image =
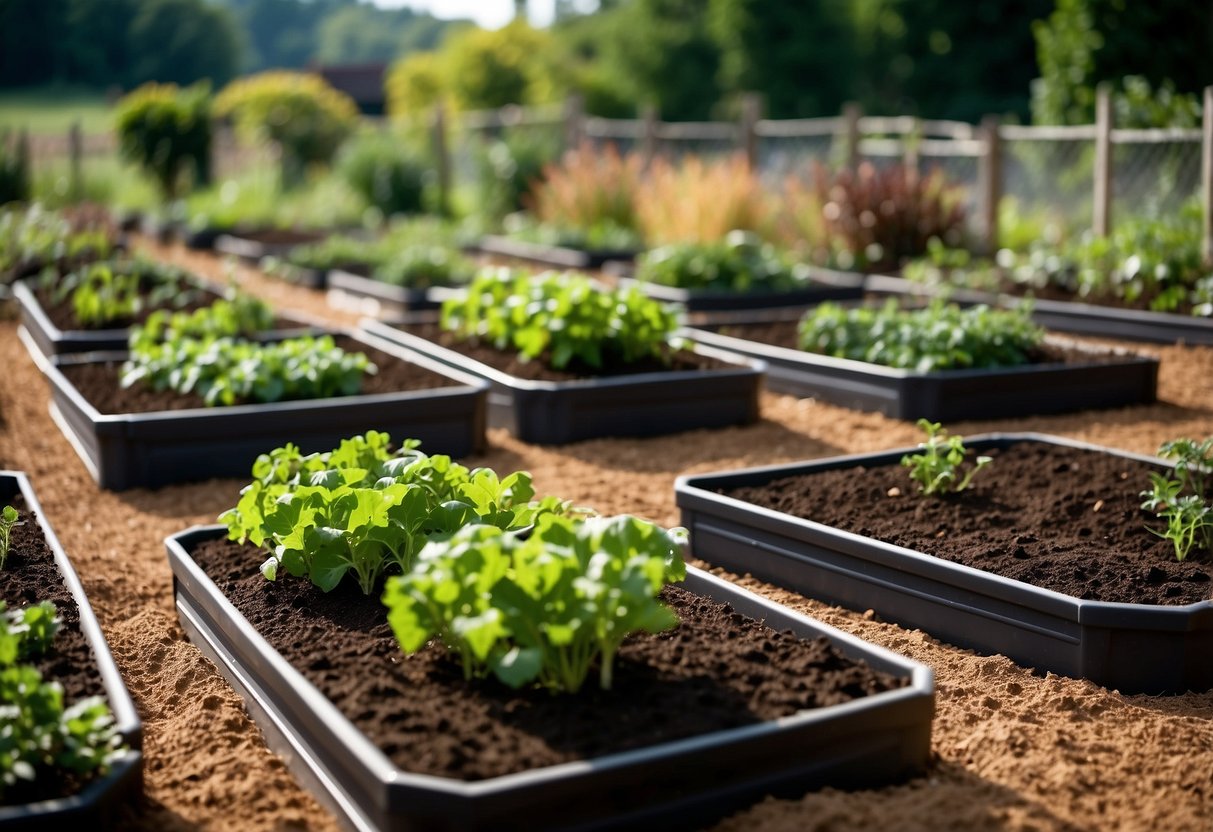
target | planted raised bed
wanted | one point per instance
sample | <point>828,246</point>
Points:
<point>1066,376</point>
<point>349,290</point>
<point>1073,316</point>
<point>617,777</point>
<point>136,438</point>
<point>37,569</point>
<point>253,245</point>
<point>49,328</point>
<point>560,257</point>
<point>1032,551</point>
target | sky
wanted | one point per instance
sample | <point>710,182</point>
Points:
<point>490,14</point>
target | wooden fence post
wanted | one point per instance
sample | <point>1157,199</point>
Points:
<point>75,151</point>
<point>574,121</point>
<point>1206,176</point>
<point>751,113</point>
<point>442,159</point>
<point>910,148</point>
<point>648,132</point>
<point>851,113</point>
<point>989,178</point>
<point>1101,219</point>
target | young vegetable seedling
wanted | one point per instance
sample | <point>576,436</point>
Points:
<point>1182,500</point>
<point>938,469</point>
<point>8,519</point>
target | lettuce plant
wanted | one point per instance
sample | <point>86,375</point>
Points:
<point>740,262</point>
<point>542,609</point>
<point>39,733</point>
<point>563,318</point>
<point>241,315</point>
<point>115,290</point>
<point>363,509</point>
<point>938,337</point>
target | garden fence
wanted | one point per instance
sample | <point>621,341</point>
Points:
<point>1076,176</point>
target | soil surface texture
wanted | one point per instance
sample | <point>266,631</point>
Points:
<point>1012,750</point>
<point>31,576</point>
<point>99,382</point>
<point>1064,519</point>
<point>428,720</point>
<point>508,361</point>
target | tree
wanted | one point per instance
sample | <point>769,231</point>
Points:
<point>800,55</point>
<point>484,69</point>
<point>182,41</point>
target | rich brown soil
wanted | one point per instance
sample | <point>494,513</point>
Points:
<point>30,576</point>
<point>1064,519</point>
<point>537,370</point>
<point>1013,751</point>
<point>99,383</point>
<point>717,670</point>
<point>63,315</point>
<point>783,334</point>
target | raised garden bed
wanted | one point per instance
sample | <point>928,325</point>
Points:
<point>1072,316</point>
<point>347,289</point>
<point>140,438</point>
<point>560,257</point>
<point>633,768</point>
<point>37,569</point>
<point>1070,377</point>
<point>705,388</point>
<point>252,245</point>
<point>1048,559</point>
<point>50,328</point>
<point>826,286</point>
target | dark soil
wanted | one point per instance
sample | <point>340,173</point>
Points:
<point>1063,519</point>
<point>717,670</point>
<point>279,236</point>
<point>507,361</point>
<point>30,576</point>
<point>783,334</point>
<point>99,383</point>
<point>63,314</point>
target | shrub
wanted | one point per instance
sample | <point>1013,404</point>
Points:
<point>507,166</point>
<point>414,84</point>
<point>587,189</point>
<point>873,218</point>
<point>565,318</point>
<point>387,173</point>
<point>701,201</point>
<point>14,167</point>
<point>306,117</point>
<point>166,130</point>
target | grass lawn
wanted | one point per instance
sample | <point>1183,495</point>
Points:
<point>52,109</point>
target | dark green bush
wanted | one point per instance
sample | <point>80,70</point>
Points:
<point>166,130</point>
<point>386,172</point>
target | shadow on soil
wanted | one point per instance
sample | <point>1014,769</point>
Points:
<point>969,801</point>
<point>1194,705</point>
<point>150,815</point>
<point>699,450</point>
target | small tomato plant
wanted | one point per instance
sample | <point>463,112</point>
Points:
<point>1182,499</point>
<point>939,468</point>
<point>541,609</point>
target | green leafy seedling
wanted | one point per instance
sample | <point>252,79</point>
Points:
<point>1181,501</point>
<point>8,519</point>
<point>938,469</point>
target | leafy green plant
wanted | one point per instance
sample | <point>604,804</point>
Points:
<point>226,371</point>
<point>32,238</point>
<point>116,290</point>
<point>40,734</point>
<point>941,336</point>
<point>740,262</point>
<point>507,166</point>
<point>565,318</point>
<point>419,267</point>
<point>364,509</point>
<point>544,609</point>
<point>8,518</point>
<point>166,130</point>
<point>1183,499</point>
<point>939,468</point>
<point>604,235</point>
<point>241,315</point>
